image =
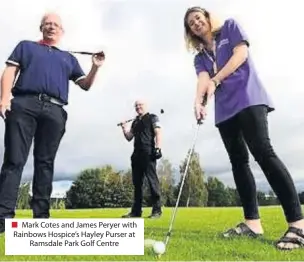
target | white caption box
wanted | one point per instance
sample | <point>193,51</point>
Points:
<point>74,236</point>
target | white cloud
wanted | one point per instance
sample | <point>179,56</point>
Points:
<point>143,41</point>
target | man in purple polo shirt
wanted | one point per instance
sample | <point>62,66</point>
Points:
<point>36,113</point>
<point>225,70</point>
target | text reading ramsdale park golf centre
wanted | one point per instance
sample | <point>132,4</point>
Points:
<point>74,236</point>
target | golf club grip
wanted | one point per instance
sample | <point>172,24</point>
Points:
<point>120,124</point>
<point>200,121</point>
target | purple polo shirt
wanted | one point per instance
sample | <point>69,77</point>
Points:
<point>242,88</point>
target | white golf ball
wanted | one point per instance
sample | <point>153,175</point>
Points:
<point>159,248</point>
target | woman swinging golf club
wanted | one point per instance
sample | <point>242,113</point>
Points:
<point>225,70</point>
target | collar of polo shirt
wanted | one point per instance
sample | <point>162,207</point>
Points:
<point>42,42</point>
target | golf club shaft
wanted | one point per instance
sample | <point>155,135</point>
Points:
<point>199,122</point>
<point>120,124</point>
<point>182,184</point>
<point>87,53</point>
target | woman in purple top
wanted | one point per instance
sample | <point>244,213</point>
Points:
<point>225,70</point>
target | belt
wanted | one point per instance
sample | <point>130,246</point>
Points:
<point>47,98</point>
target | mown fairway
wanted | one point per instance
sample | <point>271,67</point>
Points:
<point>195,236</point>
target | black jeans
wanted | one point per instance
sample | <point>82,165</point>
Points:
<point>251,127</point>
<point>30,119</point>
<point>143,165</point>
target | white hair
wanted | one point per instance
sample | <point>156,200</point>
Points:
<point>142,101</point>
<point>47,14</point>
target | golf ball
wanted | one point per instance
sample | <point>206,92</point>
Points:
<point>159,248</point>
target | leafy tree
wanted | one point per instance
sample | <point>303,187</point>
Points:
<point>88,189</point>
<point>114,192</point>
<point>61,204</point>
<point>127,189</point>
<point>54,203</point>
<point>194,191</point>
<point>99,188</point>
<point>24,198</point>
<point>166,180</point>
<point>57,203</point>
<point>218,195</point>
<point>233,197</point>
<point>262,199</point>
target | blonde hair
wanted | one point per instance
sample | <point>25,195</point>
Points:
<point>193,42</point>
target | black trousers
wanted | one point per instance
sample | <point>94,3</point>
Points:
<point>250,127</point>
<point>143,165</point>
<point>30,119</point>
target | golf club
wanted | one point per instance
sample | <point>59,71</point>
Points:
<point>199,122</point>
<point>88,53</point>
<point>120,124</point>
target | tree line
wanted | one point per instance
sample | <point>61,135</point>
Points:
<point>107,188</point>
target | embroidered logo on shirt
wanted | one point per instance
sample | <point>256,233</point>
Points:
<point>223,42</point>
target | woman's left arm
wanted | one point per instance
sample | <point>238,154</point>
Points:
<point>240,55</point>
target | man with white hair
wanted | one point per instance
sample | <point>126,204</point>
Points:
<point>146,131</point>
<point>36,113</point>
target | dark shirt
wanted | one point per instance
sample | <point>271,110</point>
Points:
<point>143,130</point>
<point>44,70</point>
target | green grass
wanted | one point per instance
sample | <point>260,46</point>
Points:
<point>194,236</point>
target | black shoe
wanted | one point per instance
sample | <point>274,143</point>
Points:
<point>155,214</point>
<point>2,226</point>
<point>129,215</point>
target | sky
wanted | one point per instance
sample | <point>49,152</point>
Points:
<point>146,58</point>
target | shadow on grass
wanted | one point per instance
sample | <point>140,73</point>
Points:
<point>260,239</point>
<point>267,241</point>
<point>158,232</point>
<point>164,231</point>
